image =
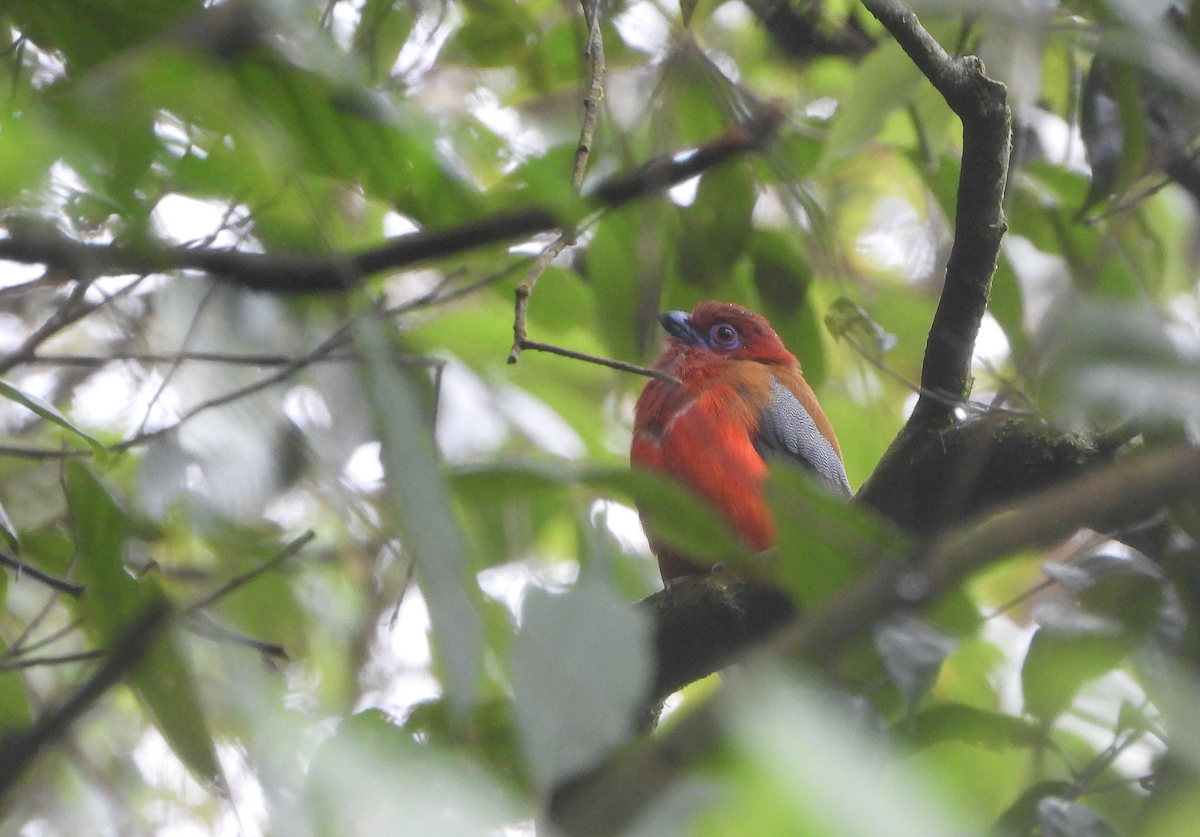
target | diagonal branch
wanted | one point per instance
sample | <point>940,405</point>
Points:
<point>19,749</point>
<point>612,797</point>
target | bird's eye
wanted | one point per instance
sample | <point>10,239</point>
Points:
<point>724,336</point>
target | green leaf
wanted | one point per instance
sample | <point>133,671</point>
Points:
<point>162,680</point>
<point>716,226</point>
<point>49,413</point>
<point>809,762</point>
<point>674,514</point>
<point>383,27</point>
<point>26,152</point>
<point>913,652</point>
<point>883,82</point>
<point>1059,662</point>
<point>427,524</point>
<point>822,542</point>
<point>1115,128</point>
<point>968,724</point>
<point>782,278</point>
<point>624,263</point>
<point>1109,363</point>
<point>15,713</point>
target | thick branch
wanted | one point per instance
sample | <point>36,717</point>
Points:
<point>982,105</point>
<point>317,273</point>
<point>943,478</point>
<point>1107,498</point>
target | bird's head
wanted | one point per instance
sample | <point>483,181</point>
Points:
<point>726,330</point>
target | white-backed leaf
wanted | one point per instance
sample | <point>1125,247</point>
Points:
<point>912,652</point>
<point>581,673</point>
<point>427,523</point>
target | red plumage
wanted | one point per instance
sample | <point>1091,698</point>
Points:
<point>741,396</point>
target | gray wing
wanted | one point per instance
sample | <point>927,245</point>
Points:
<point>786,430</point>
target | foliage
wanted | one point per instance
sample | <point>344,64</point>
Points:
<point>428,662</point>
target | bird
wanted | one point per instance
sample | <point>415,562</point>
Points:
<point>740,402</point>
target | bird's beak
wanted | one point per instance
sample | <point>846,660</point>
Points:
<point>678,324</point>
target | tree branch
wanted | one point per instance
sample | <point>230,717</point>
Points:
<point>318,273</point>
<point>19,749</point>
<point>703,623</point>
<point>1111,497</point>
<point>53,582</point>
<point>982,105</point>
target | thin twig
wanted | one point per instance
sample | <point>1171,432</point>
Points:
<point>19,648</point>
<point>591,102</point>
<point>170,373</point>
<point>245,578</point>
<point>591,111</point>
<point>965,403</point>
<point>22,662</point>
<point>202,624</point>
<point>59,584</point>
<point>525,289</point>
<point>72,309</point>
<point>20,452</point>
<point>649,372</point>
<point>206,357</point>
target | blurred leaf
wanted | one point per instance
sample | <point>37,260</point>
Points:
<point>90,31</point>
<point>493,735</point>
<point>545,181</point>
<point>372,776</point>
<point>508,507</point>
<point>1110,363</point>
<point>969,724</point>
<point>494,34</point>
<point>352,133</point>
<point>1059,661</point>
<point>1059,817</point>
<point>806,765</point>
<point>822,542</point>
<point>913,652</point>
<point>49,413</point>
<point>716,226</point>
<point>1022,816</point>
<point>162,681</point>
<point>674,514</point>
<point>383,27</point>
<point>624,269</point>
<point>883,82</point>
<point>582,667</point>
<point>782,278</point>
<point>426,521</point>
<point>1114,127</point>
<point>26,151</point>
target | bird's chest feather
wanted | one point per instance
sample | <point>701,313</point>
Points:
<point>704,438</point>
